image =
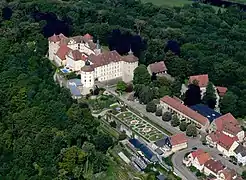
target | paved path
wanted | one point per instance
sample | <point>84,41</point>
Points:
<point>192,142</point>
<point>177,159</point>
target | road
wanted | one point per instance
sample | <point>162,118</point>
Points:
<point>192,142</point>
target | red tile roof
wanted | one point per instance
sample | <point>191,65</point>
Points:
<point>158,67</point>
<point>185,110</point>
<point>130,58</point>
<point>197,152</point>
<point>226,141</point>
<point>215,136</point>
<point>87,68</point>
<point>221,90</point>
<point>77,55</point>
<point>203,158</point>
<point>229,174</point>
<point>56,38</point>
<point>202,80</point>
<point>62,52</point>
<point>88,36</point>
<point>228,124</point>
<point>214,166</point>
<point>178,139</point>
<point>105,58</point>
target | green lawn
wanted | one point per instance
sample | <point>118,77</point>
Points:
<point>169,2</point>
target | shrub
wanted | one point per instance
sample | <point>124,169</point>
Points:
<point>151,107</point>
<point>167,116</point>
<point>158,112</point>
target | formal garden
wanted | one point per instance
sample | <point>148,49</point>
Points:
<point>140,126</point>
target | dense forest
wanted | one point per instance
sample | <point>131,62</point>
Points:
<point>44,134</point>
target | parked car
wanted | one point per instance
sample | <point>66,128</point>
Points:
<point>220,154</point>
<point>194,148</point>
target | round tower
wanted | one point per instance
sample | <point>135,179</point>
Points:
<point>87,77</point>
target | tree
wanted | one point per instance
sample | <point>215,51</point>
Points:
<point>122,136</point>
<point>113,124</point>
<point>103,142</point>
<point>229,103</point>
<point>191,130</point>
<point>151,107</point>
<point>141,75</point>
<point>192,95</point>
<point>158,112</point>
<point>175,121</point>
<point>121,86</point>
<point>244,174</point>
<point>176,87</point>
<point>183,126</point>
<point>209,97</point>
<point>129,88</point>
<point>146,95</point>
<point>167,116</point>
<point>164,90</point>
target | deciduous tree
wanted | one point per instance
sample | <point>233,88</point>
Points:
<point>151,107</point>
<point>175,121</point>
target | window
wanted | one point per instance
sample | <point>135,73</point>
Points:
<point>90,80</point>
<point>85,80</point>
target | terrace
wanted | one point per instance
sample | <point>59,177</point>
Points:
<point>140,126</point>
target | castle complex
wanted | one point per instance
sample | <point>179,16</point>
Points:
<point>81,55</point>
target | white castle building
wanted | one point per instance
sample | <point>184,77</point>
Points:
<point>81,55</point>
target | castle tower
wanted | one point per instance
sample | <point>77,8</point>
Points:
<point>53,46</point>
<point>98,49</point>
<point>87,77</point>
<point>130,52</point>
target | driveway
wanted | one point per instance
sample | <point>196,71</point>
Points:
<point>192,142</point>
<point>177,159</point>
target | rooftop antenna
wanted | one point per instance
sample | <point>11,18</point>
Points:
<point>130,52</point>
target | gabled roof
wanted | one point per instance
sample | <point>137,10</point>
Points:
<point>63,51</point>
<point>105,58</point>
<point>221,90</point>
<point>56,38</point>
<point>214,166</point>
<point>88,36</point>
<point>226,141</point>
<point>228,124</point>
<point>185,110</point>
<point>203,157</point>
<point>158,67</point>
<point>202,80</point>
<point>240,149</point>
<point>197,152</point>
<point>178,139</point>
<point>229,174</point>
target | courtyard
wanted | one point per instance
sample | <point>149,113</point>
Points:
<point>140,126</point>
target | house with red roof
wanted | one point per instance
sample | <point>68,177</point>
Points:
<point>228,174</point>
<point>226,144</point>
<point>183,112</point>
<point>213,167</point>
<point>200,160</point>
<point>228,125</point>
<point>158,68</point>
<point>221,90</point>
<point>178,142</point>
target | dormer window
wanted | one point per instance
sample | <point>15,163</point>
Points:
<point>78,46</point>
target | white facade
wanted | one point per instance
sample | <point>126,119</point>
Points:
<point>179,147</point>
<point>207,172</point>
<point>240,135</point>
<point>229,152</point>
<point>241,159</point>
<point>105,68</point>
<point>197,165</point>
